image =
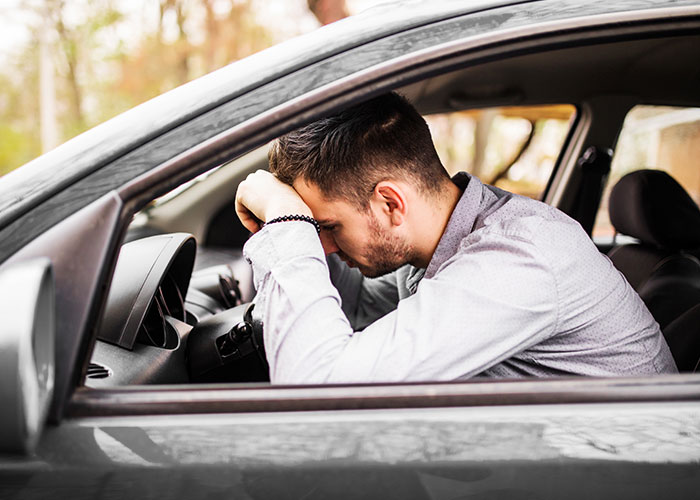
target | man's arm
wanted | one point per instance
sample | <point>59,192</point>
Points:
<point>364,300</point>
<point>467,318</point>
<point>261,197</point>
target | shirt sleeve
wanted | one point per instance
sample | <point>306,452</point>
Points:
<point>491,300</point>
<point>364,300</point>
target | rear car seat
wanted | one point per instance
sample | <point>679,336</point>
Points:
<point>683,337</point>
<point>652,207</point>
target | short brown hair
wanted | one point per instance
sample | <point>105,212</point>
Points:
<point>345,155</point>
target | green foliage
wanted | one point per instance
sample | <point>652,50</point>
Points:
<point>19,110</point>
<point>16,148</point>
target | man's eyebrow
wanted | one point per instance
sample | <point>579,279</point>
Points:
<point>326,222</point>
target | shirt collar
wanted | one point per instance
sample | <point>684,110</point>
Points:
<point>461,221</point>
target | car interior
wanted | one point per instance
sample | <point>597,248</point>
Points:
<point>180,307</point>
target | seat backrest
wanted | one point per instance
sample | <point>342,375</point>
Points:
<point>652,207</point>
<point>683,337</point>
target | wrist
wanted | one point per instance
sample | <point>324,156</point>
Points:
<point>297,209</point>
<point>296,217</point>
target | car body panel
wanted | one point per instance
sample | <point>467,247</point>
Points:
<point>26,352</point>
<point>578,451</point>
<point>88,234</point>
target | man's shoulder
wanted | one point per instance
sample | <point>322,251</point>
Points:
<point>515,216</point>
<point>488,219</point>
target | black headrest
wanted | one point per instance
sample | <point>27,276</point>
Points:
<point>651,206</point>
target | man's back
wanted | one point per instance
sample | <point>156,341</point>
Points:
<point>602,326</point>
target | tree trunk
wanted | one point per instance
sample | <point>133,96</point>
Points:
<point>70,50</point>
<point>181,47</point>
<point>47,93</point>
<point>183,67</point>
<point>211,43</point>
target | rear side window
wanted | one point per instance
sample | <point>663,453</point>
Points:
<point>654,137</point>
<point>514,148</point>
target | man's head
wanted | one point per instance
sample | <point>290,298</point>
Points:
<point>359,171</point>
<point>345,155</point>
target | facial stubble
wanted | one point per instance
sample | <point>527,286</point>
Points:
<point>385,252</point>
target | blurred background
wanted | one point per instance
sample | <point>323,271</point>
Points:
<point>68,65</point>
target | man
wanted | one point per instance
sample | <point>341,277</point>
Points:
<point>471,280</point>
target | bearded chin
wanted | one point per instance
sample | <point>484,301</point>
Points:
<point>386,253</point>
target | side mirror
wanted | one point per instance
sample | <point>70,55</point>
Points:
<point>26,352</point>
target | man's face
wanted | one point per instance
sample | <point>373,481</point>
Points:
<point>360,238</point>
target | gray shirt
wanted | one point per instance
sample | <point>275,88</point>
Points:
<point>515,288</point>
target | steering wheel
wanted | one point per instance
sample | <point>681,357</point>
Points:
<point>217,352</point>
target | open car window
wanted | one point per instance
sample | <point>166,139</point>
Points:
<point>653,137</point>
<point>514,148</point>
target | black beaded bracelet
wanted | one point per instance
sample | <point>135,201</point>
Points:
<point>299,217</point>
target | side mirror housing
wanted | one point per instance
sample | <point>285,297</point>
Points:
<point>26,352</point>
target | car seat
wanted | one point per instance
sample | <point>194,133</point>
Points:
<point>683,337</point>
<point>652,207</point>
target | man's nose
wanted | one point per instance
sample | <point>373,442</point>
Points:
<point>328,243</point>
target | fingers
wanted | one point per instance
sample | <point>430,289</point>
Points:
<point>262,197</point>
<point>247,218</point>
<point>243,194</point>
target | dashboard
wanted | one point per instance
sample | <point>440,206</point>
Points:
<point>165,323</point>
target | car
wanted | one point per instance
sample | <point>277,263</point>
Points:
<point>132,361</point>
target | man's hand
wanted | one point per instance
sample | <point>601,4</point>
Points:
<point>262,197</point>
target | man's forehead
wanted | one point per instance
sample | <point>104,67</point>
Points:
<point>326,210</point>
<point>301,184</point>
<point>311,193</point>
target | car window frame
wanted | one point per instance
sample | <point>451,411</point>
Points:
<point>259,398</point>
<point>277,120</point>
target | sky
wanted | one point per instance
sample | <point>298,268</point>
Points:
<point>13,29</point>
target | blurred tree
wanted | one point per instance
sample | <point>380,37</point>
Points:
<point>105,64</point>
<point>75,32</point>
<point>328,11</point>
<point>70,47</point>
<point>179,10</point>
<point>16,145</point>
<point>192,37</point>
<point>19,108</point>
<point>81,31</point>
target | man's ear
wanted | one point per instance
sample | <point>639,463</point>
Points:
<point>390,199</point>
